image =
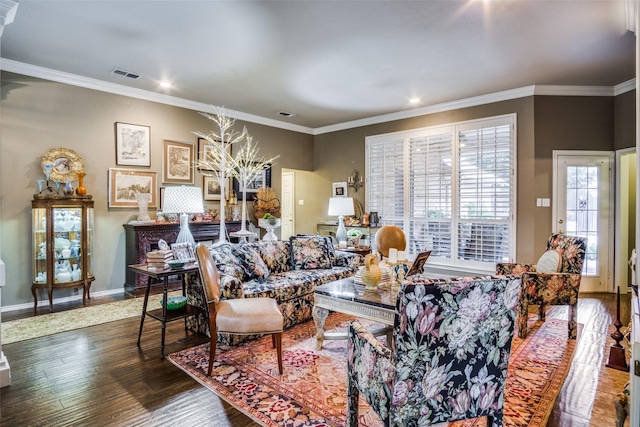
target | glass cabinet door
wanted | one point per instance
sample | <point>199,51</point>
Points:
<point>89,254</point>
<point>67,246</point>
<point>39,218</point>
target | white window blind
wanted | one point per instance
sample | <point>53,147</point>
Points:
<point>451,189</point>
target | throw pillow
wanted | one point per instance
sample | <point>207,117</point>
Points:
<point>275,254</point>
<point>251,261</point>
<point>309,252</point>
<point>549,262</point>
<point>227,262</point>
<point>330,246</point>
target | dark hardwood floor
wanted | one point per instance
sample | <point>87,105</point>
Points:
<point>97,376</point>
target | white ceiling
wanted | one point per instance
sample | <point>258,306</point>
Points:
<point>329,62</point>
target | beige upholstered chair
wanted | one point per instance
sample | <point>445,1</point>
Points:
<point>244,316</point>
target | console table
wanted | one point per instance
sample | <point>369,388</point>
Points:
<point>368,232</point>
<point>141,239</point>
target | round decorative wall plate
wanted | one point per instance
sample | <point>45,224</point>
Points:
<point>65,164</point>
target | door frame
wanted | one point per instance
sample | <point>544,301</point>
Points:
<point>609,282</point>
<point>621,261</point>
<point>291,173</point>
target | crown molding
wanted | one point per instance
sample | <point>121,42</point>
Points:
<point>542,90</point>
<point>88,83</point>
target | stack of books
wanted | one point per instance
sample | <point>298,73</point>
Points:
<point>157,260</point>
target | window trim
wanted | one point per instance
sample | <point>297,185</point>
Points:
<point>454,129</point>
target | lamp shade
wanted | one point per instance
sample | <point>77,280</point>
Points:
<point>341,206</point>
<point>182,199</point>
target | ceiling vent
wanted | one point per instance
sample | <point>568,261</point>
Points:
<point>125,74</point>
<point>286,114</point>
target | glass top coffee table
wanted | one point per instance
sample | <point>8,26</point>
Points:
<point>344,296</point>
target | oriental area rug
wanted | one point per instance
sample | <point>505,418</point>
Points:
<point>312,389</point>
<point>53,323</point>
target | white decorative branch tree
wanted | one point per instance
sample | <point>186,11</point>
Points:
<point>218,162</point>
<point>247,167</point>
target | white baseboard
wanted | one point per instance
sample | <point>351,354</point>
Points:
<point>5,371</point>
<point>45,301</point>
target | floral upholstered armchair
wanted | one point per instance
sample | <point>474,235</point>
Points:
<point>452,348</point>
<point>557,284</point>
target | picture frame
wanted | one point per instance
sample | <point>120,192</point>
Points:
<point>211,188</point>
<point>418,264</point>
<point>263,180</point>
<point>339,189</point>
<point>125,183</point>
<point>183,251</point>
<point>178,159</point>
<point>203,149</point>
<point>133,145</point>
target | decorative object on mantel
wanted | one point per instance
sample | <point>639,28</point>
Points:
<point>355,180</point>
<point>218,161</point>
<point>143,206</point>
<point>266,203</point>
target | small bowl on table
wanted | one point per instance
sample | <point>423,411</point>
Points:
<point>176,264</point>
<point>175,303</point>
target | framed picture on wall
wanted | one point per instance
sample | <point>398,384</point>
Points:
<point>133,145</point>
<point>263,180</point>
<point>339,189</point>
<point>211,188</point>
<point>177,162</point>
<point>125,183</point>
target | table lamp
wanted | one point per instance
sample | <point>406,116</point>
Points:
<point>341,206</point>
<point>183,200</point>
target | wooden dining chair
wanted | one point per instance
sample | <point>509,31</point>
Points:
<point>243,316</point>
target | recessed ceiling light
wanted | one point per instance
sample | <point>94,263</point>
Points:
<point>414,100</point>
<point>165,83</point>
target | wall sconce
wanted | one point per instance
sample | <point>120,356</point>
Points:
<point>355,180</point>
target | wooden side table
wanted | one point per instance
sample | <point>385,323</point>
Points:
<point>162,314</point>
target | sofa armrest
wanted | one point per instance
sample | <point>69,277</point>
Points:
<point>513,268</point>
<point>348,259</point>
<point>370,371</point>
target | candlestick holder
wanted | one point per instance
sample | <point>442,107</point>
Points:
<point>617,359</point>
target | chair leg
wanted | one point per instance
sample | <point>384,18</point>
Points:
<point>573,321</point>
<point>277,340</point>
<point>213,331</point>
<point>522,317</point>
<point>353,395</point>
<point>542,312</point>
<point>495,420</point>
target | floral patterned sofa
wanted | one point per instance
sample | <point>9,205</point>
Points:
<point>287,271</point>
<point>452,347</point>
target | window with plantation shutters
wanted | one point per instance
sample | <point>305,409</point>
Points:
<point>451,188</point>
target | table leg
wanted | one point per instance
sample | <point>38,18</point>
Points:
<point>144,308</point>
<point>164,313</point>
<point>319,316</point>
